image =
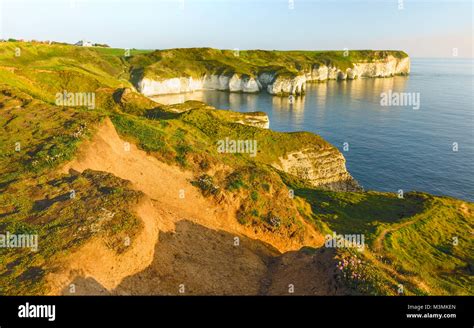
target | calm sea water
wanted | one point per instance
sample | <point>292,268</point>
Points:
<point>390,148</point>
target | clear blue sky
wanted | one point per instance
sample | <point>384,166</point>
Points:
<point>423,28</point>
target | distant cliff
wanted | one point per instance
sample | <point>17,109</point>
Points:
<point>277,72</point>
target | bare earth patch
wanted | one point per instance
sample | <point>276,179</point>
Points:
<point>186,243</point>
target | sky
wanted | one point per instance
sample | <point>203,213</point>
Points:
<point>422,28</point>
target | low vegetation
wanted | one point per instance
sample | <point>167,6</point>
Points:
<point>417,245</point>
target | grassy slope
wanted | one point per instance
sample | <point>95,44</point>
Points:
<point>409,240</point>
<point>44,70</point>
<point>36,200</point>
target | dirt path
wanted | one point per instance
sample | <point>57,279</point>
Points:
<point>378,242</point>
<point>379,250</point>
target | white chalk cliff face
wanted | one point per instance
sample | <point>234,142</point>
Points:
<point>391,66</point>
<point>234,83</point>
<point>272,82</point>
<point>322,167</point>
<point>150,87</point>
<point>287,85</point>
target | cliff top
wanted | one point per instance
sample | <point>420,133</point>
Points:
<point>197,61</point>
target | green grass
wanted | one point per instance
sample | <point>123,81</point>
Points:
<point>270,144</point>
<point>437,247</point>
<point>360,213</point>
<point>45,135</point>
<point>416,236</point>
<point>44,70</point>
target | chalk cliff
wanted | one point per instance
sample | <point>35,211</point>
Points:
<point>274,81</point>
<point>234,83</point>
<point>323,167</point>
<point>387,67</point>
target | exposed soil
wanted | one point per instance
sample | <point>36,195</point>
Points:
<point>189,245</point>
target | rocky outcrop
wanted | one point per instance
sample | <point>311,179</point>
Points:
<point>272,82</point>
<point>287,85</point>
<point>255,119</point>
<point>324,168</point>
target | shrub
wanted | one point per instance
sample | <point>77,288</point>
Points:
<point>235,182</point>
<point>206,184</point>
<point>254,195</point>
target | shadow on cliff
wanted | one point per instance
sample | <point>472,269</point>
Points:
<point>195,260</point>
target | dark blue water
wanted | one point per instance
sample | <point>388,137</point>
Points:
<point>390,148</point>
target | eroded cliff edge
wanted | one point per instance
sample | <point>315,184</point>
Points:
<point>303,155</point>
<point>276,72</point>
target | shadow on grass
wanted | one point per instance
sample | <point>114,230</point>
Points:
<point>360,213</point>
<point>43,204</point>
<point>160,114</point>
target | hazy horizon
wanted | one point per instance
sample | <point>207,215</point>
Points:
<point>423,29</point>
